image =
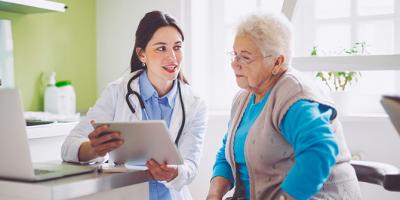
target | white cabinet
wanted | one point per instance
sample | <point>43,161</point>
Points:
<point>45,141</point>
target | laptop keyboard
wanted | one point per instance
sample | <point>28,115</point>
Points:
<point>42,171</point>
<point>37,122</point>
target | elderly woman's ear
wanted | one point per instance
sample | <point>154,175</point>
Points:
<point>279,66</point>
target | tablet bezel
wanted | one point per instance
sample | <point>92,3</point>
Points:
<point>143,140</point>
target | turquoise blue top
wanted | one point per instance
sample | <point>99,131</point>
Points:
<point>306,126</point>
<point>157,108</point>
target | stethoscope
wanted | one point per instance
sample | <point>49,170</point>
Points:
<point>130,91</point>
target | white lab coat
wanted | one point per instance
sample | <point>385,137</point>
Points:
<point>111,106</point>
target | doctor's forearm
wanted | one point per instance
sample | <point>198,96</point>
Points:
<point>86,152</point>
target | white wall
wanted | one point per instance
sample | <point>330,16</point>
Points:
<point>217,126</point>
<point>116,22</point>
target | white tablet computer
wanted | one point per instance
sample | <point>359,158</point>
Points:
<point>144,140</point>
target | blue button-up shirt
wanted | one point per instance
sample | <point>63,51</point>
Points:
<point>157,108</point>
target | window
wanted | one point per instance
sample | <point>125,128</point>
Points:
<point>335,25</point>
<point>212,32</point>
<point>331,25</point>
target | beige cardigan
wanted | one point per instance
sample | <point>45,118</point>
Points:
<point>268,155</point>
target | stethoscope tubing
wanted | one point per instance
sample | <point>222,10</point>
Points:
<point>130,91</point>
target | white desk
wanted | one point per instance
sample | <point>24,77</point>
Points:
<point>45,145</point>
<point>130,185</point>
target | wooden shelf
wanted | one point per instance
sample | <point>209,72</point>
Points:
<point>31,6</point>
<point>347,63</point>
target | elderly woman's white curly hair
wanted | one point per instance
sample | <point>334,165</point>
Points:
<point>272,33</point>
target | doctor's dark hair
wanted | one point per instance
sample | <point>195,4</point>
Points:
<point>148,25</point>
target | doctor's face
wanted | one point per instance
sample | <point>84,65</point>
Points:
<point>252,69</point>
<point>163,54</point>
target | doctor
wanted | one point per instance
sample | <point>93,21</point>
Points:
<point>157,90</point>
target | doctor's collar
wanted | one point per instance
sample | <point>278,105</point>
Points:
<point>147,90</point>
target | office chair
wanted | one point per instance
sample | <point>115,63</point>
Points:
<point>388,176</point>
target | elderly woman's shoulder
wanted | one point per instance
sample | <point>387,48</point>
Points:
<point>295,80</point>
<point>242,93</point>
<point>294,84</point>
<point>239,97</point>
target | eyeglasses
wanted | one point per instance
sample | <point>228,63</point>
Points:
<point>242,60</point>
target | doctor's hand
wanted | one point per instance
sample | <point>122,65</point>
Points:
<point>102,141</point>
<point>162,172</point>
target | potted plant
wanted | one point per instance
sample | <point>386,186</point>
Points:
<point>338,82</point>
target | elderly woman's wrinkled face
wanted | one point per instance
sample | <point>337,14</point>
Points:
<point>252,69</point>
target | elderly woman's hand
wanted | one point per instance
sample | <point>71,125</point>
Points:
<point>213,198</point>
<point>219,186</point>
<point>162,172</point>
<point>285,196</point>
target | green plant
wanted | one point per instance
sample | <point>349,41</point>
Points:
<point>339,80</point>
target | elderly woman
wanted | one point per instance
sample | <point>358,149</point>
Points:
<point>284,140</point>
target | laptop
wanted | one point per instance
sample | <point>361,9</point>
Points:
<point>14,147</point>
<point>391,104</point>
